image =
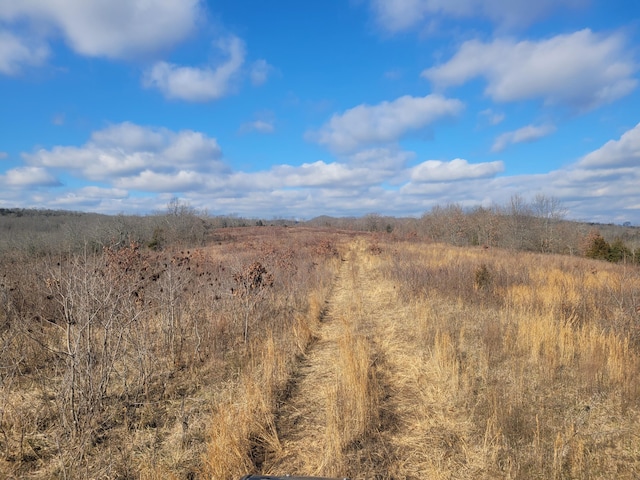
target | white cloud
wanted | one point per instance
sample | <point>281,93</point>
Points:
<point>16,53</point>
<point>109,28</point>
<point>356,187</point>
<point>386,122</point>
<point>321,174</point>
<point>28,177</point>
<point>129,137</point>
<point>398,15</point>
<point>126,150</point>
<point>96,199</point>
<point>530,133</point>
<point>362,170</point>
<point>194,149</point>
<point>389,159</point>
<point>128,158</point>
<point>332,177</point>
<point>621,153</point>
<point>99,192</point>
<point>202,84</point>
<point>435,171</point>
<point>601,195</point>
<point>583,69</point>
<point>150,181</point>
<point>602,186</point>
<point>92,198</point>
<point>260,71</point>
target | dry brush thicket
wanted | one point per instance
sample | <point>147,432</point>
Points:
<point>317,352</point>
<point>114,362</point>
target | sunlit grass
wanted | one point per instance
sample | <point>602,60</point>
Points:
<point>403,360</point>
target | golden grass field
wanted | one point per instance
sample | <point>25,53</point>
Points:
<point>349,356</point>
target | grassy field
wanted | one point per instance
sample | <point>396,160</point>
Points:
<point>318,352</point>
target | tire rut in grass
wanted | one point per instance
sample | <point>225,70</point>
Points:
<point>300,419</point>
<point>338,411</point>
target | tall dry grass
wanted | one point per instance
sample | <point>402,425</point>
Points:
<point>537,364</point>
<point>459,363</point>
<point>351,400</point>
<point>440,362</point>
<point>243,434</point>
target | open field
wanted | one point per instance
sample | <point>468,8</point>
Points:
<point>318,352</point>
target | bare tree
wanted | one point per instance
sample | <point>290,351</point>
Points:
<point>548,212</point>
<point>518,216</point>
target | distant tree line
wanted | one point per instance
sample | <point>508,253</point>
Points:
<point>42,232</point>
<point>538,225</point>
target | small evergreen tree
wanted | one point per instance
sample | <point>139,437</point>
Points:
<point>597,247</point>
<point>619,252</point>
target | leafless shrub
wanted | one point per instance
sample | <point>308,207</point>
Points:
<point>326,248</point>
<point>375,249</point>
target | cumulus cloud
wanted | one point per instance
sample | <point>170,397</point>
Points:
<point>601,195</point>
<point>127,150</point>
<point>389,159</point>
<point>398,15</point>
<point>129,137</point>
<point>151,181</point>
<point>114,28</point>
<point>435,171</point>
<point>601,186</point>
<point>321,174</point>
<point>28,177</point>
<point>582,70</point>
<point>386,122</point>
<point>199,84</point>
<point>530,133</point>
<point>364,169</point>
<point>328,176</point>
<point>95,198</point>
<point>129,158</point>
<point>16,53</point>
<point>99,192</point>
<point>621,153</point>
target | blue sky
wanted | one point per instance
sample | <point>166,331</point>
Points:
<point>302,108</point>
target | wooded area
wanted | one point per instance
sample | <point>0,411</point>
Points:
<point>537,226</point>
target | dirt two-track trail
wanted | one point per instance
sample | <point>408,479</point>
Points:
<point>356,398</point>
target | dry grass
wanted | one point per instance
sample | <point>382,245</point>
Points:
<point>115,363</point>
<point>243,435</point>
<point>537,371</point>
<point>529,372</point>
<point>398,360</point>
